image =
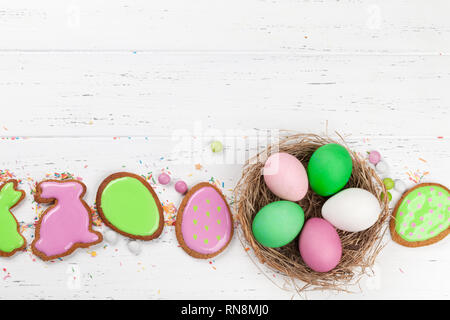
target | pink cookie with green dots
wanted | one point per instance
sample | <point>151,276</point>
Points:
<point>422,216</point>
<point>204,225</point>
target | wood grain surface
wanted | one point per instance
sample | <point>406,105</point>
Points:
<point>95,87</point>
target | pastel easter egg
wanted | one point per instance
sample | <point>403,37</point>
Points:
<point>352,210</point>
<point>329,169</point>
<point>320,245</point>
<point>422,216</point>
<point>128,204</point>
<point>204,225</point>
<point>286,177</point>
<point>278,223</point>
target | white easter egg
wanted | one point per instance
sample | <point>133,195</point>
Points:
<point>352,209</point>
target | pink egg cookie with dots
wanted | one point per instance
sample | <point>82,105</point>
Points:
<point>204,225</point>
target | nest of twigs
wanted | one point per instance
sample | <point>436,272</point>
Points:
<point>359,249</point>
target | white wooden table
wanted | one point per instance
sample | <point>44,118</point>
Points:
<point>94,87</point>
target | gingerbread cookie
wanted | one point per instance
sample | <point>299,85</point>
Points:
<point>204,225</point>
<point>67,224</point>
<point>11,240</point>
<point>422,216</point>
<point>128,204</point>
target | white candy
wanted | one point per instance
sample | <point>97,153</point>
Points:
<point>382,167</point>
<point>111,237</point>
<point>135,247</point>
<point>400,186</point>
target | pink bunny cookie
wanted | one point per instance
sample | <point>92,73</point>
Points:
<point>67,224</point>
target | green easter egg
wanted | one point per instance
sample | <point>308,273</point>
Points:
<point>278,223</point>
<point>329,169</point>
<point>128,204</point>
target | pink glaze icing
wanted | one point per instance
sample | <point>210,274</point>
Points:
<point>206,224</point>
<point>65,224</point>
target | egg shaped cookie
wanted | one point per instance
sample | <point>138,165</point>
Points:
<point>128,204</point>
<point>204,225</point>
<point>422,216</point>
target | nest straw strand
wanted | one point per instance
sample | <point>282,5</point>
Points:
<point>359,249</point>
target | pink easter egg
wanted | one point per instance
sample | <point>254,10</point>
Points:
<point>286,177</point>
<point>320,245</point>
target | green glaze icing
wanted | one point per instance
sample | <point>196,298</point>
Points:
<point>423,213</point>
<point>130,207</point>
<point>10,238</point>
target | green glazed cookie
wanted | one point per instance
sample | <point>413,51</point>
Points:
<point>129,205</point>
<point>422,216</point>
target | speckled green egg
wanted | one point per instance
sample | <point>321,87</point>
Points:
<point>329,169</point>
<point>278,223</point>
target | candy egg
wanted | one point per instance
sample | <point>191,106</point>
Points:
<point>181,187</point>
<point>352,210</point>
<point>204,225</point>
<point>111,237</point>
<point>382,167</point>
<point>389,196</point>
<point>400,186</point>
<point>329,169</point>
<point>278,223</point>
<point>134,247</point>
<point>320,245</point>
<point>216,146</point>
<point>164,178</point>
<point>374,157</point>
<point>388,183</point>
<point>285,176</point>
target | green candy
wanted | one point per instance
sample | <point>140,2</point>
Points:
<point>389,196</point>
<point>278,223</point>
<point>329,169</point>
<point>389,183</point>
<point>216,146</point>
<point>129,206</point>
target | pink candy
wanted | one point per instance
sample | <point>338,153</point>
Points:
<point>374,157</point>
<point>181,187</point>
<point>164,178</point>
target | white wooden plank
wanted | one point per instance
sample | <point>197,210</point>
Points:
<point>108,94</point>
<point>358,26</point>
<point>164,271</point>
